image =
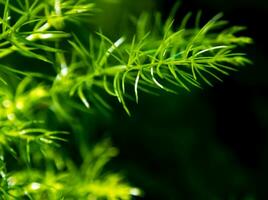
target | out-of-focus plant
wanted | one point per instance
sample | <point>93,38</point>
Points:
<point>62,179</point>
<point>157,56</point>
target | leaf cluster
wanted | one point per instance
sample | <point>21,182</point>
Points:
<point>35,30</point>
<point>62,179</point>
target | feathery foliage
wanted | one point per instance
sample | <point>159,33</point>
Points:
<point>162,57</point>
<point>154,60</point>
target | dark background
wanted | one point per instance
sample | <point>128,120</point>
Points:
<point>210,143</point>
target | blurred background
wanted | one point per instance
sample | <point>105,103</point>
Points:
<point>204,145</point>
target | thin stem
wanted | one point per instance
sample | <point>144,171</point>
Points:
<point>32,37</point>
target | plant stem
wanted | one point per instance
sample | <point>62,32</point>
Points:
<point>32,37</point>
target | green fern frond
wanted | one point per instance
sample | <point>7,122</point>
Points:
<point>43,19</point>
<point>182,58</point>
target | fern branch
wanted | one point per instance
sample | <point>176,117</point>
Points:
<point>53,14</point>
<point>183,58</point>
